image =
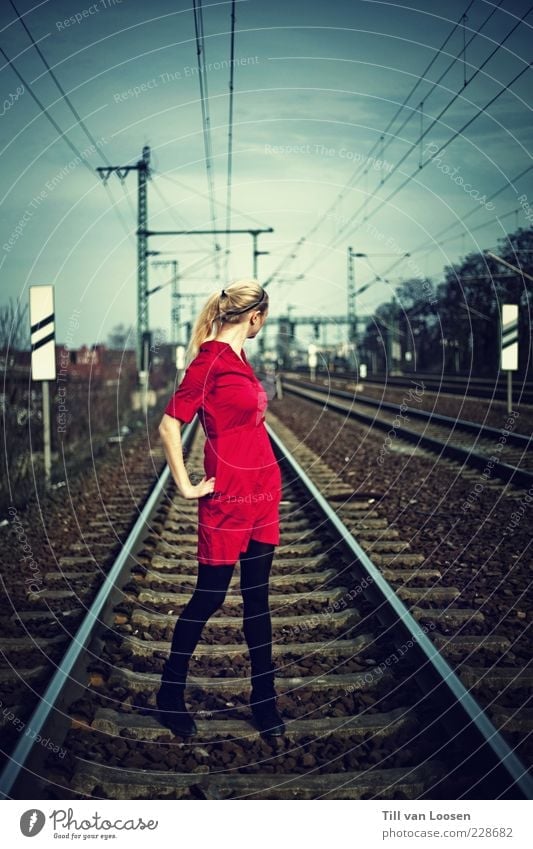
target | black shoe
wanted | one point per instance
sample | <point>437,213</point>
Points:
<point>173,712</point>
<point>263,703</point>
<point>267,719</point>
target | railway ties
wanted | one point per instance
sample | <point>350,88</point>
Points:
<point>360,718</point>
<point>498,453</point>
<point>346,726</point>
<point>464,388</point>
<point>336,692</point>
<point>43,608</point>
<point>472,638</point>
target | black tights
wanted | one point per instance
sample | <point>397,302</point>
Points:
<point>209,594</point>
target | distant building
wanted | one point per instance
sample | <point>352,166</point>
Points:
<point>97,364</point>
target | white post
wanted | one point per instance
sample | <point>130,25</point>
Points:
<point>145,378</point>
<point>312,360</point>
<point>43,358</point>
<point>46,434</point>
<point>509,347</point>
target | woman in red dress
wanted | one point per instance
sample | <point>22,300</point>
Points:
<point>238,497</point>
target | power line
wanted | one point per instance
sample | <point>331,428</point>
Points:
<point>178,220</point>
<point>182,185</point>
<point>473,212</point>
<point>437,82</point>
<point>73,109</point>
<point>472,230</point>
<point>384,276</point>
<point>431,243</point>
<point>450,140</point>
<point>230,140</point>
<point>76,114</point>
<point>337,240</point>
<point>345,227</point>
<point>44,110</point>
<point>342,233</point>
<point>204,101</point>
<point>292,253</point>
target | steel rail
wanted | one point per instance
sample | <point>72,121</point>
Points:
<point>519,439</point>
<point>42,713</point>
<point>469,388</point>
<point>504,471</point>
<point>436,669</point>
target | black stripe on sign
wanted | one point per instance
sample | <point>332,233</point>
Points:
<point>506,343</point>
<point>43,341</point>
<point>42,323</point>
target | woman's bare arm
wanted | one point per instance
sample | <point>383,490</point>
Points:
<point>170,432</point>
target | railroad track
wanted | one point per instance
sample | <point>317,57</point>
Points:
<point>364,640</point>
<point>500,453</point>
<point>464,387</point>
<point>46,594</point>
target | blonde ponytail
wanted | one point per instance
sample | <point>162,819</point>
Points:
<point>227,308</point>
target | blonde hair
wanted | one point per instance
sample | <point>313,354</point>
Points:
<point>228,308</point>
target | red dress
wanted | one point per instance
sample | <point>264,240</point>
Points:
<point>231,403</point>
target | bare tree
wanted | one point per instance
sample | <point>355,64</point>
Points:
<point>14,327</point>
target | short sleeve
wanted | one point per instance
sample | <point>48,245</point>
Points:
<point>191,392</point>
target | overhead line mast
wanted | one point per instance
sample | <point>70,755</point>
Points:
<point>143,173</point>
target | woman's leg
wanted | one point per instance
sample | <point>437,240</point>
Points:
<point>212,583</point>
<point>256,563</point>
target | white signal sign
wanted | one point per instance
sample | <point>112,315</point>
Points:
<point>509,340</point>
<point>42,326</point>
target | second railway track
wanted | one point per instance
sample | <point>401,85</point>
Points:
<point>500,453</point>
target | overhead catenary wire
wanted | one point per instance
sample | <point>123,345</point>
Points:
<point>431,244</point>
<point>477,209</point>
<point>62,135</point>
<point>178,220</point>
<point>389,137</point>
<point>65,96</point>
<point>342,233</point>
<point>204,101</point>
<point>291,255</point>
<point>454,136</point>
<point>182,185</point>
<point>410,177</point>
<point>81,122</point>
<point>427,245</point>
<point>230,141</point>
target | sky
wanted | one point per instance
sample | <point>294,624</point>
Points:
<point>336,118</point>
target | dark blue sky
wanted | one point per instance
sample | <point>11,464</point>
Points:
<point>316,86</point>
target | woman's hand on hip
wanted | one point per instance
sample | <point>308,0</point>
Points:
<point>205,486</point>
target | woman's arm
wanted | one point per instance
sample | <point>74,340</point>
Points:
<point>170,432</point>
